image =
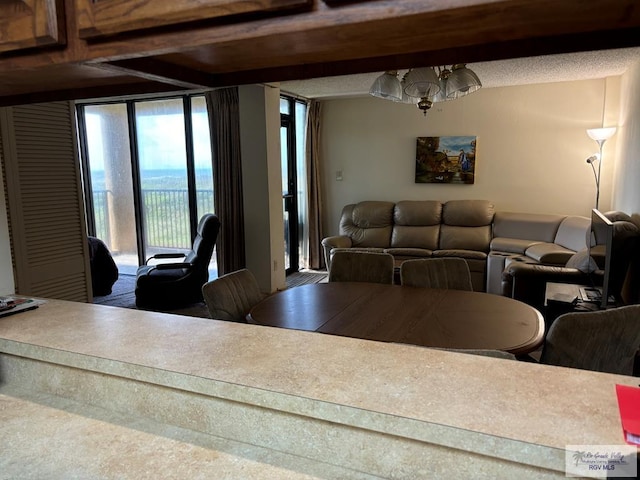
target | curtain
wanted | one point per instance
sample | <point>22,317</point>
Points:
<point>316,256</point>
<point>224,118</point>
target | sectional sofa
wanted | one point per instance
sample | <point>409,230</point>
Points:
<point>470,229</point>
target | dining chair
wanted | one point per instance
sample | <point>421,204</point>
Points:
<point>448,273</point>
<point>602,341</point>
<point>231,296</point>
<point>372,267</point>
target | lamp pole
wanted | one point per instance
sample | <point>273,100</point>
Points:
<point>600,143</point>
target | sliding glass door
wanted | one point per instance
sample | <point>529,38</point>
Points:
<point>164,185</point>
<point>148,167</point>
<point>294,181</point>
<point>109,179</point>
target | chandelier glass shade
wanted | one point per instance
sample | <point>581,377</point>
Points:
<point>461,82</point>
<point>387,86</point>
<point>443,76</point>
<point>426,85</point>
<point>421,82</point>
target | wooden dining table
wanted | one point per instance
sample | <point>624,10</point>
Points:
<point>392,313</point>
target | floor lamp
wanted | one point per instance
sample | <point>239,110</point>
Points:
<point>600,135</point>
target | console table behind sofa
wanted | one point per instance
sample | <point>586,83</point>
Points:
<point>470,229</point>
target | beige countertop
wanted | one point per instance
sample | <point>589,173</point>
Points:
<point>511,410</point>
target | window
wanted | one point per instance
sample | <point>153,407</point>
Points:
<point>147,173</point>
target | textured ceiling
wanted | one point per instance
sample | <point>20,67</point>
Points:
<point>519,71</point>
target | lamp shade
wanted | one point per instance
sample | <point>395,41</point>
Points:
<point>462,81</point>
<point>441,96</point>
<point>387,86</point>
<point>421,82</point>
<point>601,134</point>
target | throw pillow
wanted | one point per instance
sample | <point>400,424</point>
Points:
<point>582,261</point>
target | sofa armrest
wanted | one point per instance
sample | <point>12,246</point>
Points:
<point>336,241</point>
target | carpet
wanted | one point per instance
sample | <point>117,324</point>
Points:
<point>123,296</point>
<point>122,293</point>
<point>303,278</point>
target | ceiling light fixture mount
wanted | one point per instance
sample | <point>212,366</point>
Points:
<point>425,86</point>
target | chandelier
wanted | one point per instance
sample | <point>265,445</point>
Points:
<point>426,85</point>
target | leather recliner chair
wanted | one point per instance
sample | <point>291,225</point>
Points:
<point>527,281</point>
<point>172,285</point>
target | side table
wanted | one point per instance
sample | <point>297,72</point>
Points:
<point>561,298</point>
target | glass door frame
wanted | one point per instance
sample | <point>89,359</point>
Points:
<point>290,197</point>
<point>134,156</point>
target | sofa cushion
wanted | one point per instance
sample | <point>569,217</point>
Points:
<point>549,253</point>
<point>409,252</point>
<point>468,213</point>
<point>465,238</point>
<point>511,245</point>
<point>466,254</point>
<point>416,224</point>
<point>417,212</point>
<point>582,261</point>
<point>369,223</point>
<point>373,214</point>
<point>527,226</point>
<point>466,225</point>
<point>573,233</point>
<point>415,237</point>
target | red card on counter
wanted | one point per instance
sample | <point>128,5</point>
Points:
<point>629,405</point>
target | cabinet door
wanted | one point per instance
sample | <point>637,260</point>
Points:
<point>30,23</point>
<point>106,17</point>
<point>45,205</point>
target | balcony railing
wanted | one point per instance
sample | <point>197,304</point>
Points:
<point>166,214</point>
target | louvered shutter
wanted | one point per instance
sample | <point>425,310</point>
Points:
<point>44,200</point>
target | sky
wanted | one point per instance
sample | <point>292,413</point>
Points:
<point>161,143</point>
<point>455,144</point>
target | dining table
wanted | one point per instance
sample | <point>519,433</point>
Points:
<point>440,318</point>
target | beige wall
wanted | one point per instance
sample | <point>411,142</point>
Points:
<point>531,147</point>
<point>627,174</point>
<point>262,184</point>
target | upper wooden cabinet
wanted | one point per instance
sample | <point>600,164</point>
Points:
<point>31,23</point>
<point>106,17</point>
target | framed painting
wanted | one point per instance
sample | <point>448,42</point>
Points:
<point>446,159</point>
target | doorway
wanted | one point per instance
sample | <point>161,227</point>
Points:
<point>294,184</point>
<point>147,175</point>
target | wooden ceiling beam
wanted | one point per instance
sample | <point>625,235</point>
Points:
<point>471,54</point>
<point>160,71</point>
<point>102,91</point>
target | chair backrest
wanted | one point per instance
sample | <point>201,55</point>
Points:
<point>449,273</point>
<point>205,241</point>
<point>602,341</point>
<point>231,296</point>
<point>361,267</point>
